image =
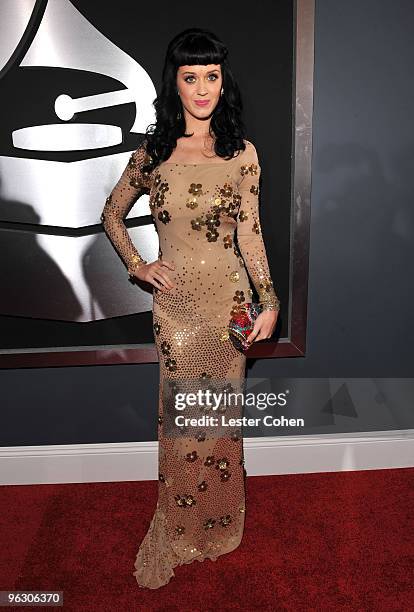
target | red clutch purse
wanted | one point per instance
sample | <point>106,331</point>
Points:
<point>242,323</point>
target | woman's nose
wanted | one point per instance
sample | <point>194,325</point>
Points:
<point>202,89</point>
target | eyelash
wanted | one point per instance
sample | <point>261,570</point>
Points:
<point>190,77</point>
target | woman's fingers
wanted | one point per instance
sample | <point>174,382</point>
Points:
<point>160,274</point>
<point>262,330</point>
<point>166,263</point>
<point>253,334</point>
<point>157,284</point>
<point>163,278</point>
<point>256,337</point>
<point>155,274</point>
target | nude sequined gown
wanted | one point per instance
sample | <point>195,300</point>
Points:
<point>199,211</point>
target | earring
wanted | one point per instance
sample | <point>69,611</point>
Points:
<point>221,91</point>
<point>179,112</point>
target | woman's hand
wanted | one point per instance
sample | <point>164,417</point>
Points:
<point>264,326</point>
<point>155,273</point>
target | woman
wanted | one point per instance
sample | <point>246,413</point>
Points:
<point>202,177</point>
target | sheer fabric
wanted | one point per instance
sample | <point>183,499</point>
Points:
<point>208,223</point>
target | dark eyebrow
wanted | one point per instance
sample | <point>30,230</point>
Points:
<point>188,72</point>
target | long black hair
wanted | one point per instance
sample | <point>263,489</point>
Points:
<point>195,46</point>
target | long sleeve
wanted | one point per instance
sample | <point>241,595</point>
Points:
<point>131,184</point>
<point>249,232</point>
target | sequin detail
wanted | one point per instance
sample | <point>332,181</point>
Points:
<point>208,223</point>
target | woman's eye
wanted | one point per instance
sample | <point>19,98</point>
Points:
<point>215,77</point>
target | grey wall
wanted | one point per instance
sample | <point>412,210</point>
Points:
<point>360,325</point>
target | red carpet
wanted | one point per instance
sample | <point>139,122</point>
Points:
<point>313,542</point>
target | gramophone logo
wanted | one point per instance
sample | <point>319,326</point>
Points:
<point>71,92</point>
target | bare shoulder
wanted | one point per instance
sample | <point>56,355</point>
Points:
<point>250,152</point>
<point>248,143</point>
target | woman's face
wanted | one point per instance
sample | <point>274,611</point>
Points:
<point>199,83</point>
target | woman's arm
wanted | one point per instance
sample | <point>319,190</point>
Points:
<point>249,232</point>
<point>129,187</point>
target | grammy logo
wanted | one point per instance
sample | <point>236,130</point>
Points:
<point>82,105</point>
